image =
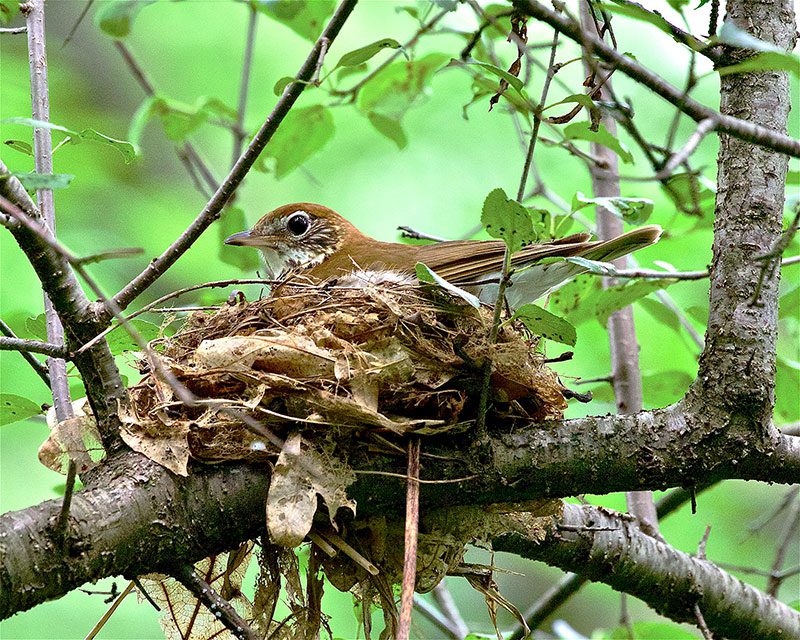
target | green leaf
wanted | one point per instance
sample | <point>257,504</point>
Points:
<point>543,323</point>
<point>14,408</point>
<point>8,9</point>
<point>794,604</point>
<point>427,275</point>
<point>120,340</point>
<point>766,61</point>
<point>124,147</point>
<point>281,84</point>
<point>303,133</point>
<point>19,145</point>
<point>618,297</point>
<point>231,221</point>
<point>567,299</point>
<point>631,210</point>
<point>359,56</point>
<point>116,18</point>
<point>731,34</point>
<point>399,86</point>
<point>661,313</point>
<point>306,18</point>
<point>390,128</point>
<point>581,131</point>
<point>580,98</point>
<point>687,190</point>
<point>508,220</point>
<point>662,388</point>
<point>32,181</point>
<point>637,12</point>
<point>37,124</point>
<point>512,80</point>
<point>36,326</point>
<point>177,119</point>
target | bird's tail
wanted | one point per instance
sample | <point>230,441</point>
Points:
<point>607,250</point>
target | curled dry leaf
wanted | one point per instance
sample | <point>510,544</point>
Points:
<point>299,476</point>
<point>76,438</point>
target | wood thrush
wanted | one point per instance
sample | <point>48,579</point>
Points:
<point>319,243</point>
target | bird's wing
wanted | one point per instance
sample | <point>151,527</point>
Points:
<point>463,261</point>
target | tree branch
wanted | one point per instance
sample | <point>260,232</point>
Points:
<point>32,346</point>
<point>134,517</point>
<point>607,547</point>
<point>725,123</point>
<point>213,208</point>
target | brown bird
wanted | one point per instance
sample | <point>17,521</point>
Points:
<point>319,243</point>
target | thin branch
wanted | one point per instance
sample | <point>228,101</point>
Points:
<point>439,620</point>
<point>410,540</point>
<point>38,367</point>
<point>735,127</point>
<point>33,346</point>
<point>43,161</point>
<point>13,30</point>
<point>247,63</point>
<point>789,539</point>
<point>447,605</point>
<point>352,92</point>
<point>213,208</point>
<point>215,603</point>
<point>704,127</point>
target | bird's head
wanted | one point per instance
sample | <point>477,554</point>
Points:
<point>296,236</point>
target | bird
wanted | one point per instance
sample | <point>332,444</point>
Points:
<point>317,242</point>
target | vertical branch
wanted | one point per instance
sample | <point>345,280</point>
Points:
<point>626,376</point>
<point>247,63</point>
<point>411,535</point>
<point>43,158</point>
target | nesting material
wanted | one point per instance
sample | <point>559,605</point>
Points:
<point>388,358</point>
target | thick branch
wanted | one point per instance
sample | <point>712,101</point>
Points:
<point>737,127</point>
<point>609,548</point>
<point>136,518</point>
<point>213,208</point>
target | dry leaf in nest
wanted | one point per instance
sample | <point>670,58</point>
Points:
<point>300,475</point>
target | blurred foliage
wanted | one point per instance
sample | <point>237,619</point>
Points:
<point>388,139</point>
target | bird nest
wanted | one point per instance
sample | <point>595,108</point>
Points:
<point>381,359</point>
<point>318,378</point>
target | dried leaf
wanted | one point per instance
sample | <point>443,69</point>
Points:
<point>298,477</point>
<point>76,438</point>
<point>184,616</point>
<point>166,444</point>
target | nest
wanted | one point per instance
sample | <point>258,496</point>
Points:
<point>307,380</point>
<point>389,359</point>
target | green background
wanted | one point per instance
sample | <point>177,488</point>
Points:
<point>437,184</point>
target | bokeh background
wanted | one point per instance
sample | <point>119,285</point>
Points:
<point>437,184</point>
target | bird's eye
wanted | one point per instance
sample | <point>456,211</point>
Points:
<point>298,223</point>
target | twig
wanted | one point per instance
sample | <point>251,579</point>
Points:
<point>771,259</point>
<point>323,50</point>
<point>213,208</point>
<point>476,36</point>
<point>187,154</point>
<point>336,540</point>
<point>410,540</point>
<point>439,620</point>
<point>701,623</point>
<point>447,605</point>
<point>78,22</point>
<point>247,63</point>
<point>701,547</point>
<point>43,160</point>
<point>623,341</point>
<point>789,538</point>
<point>110,612</point>
<point>112,254</point>
<point>413,234</point>
<point>37,366</point>
<point>13,30</point>
<point>736,127</point>
<point>703,129</point>
<point>216,604</point>
<point>33,346</point>
<point>169,296</point>
<point>352,92</point>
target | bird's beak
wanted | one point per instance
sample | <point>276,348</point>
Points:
<point>244,239</point>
